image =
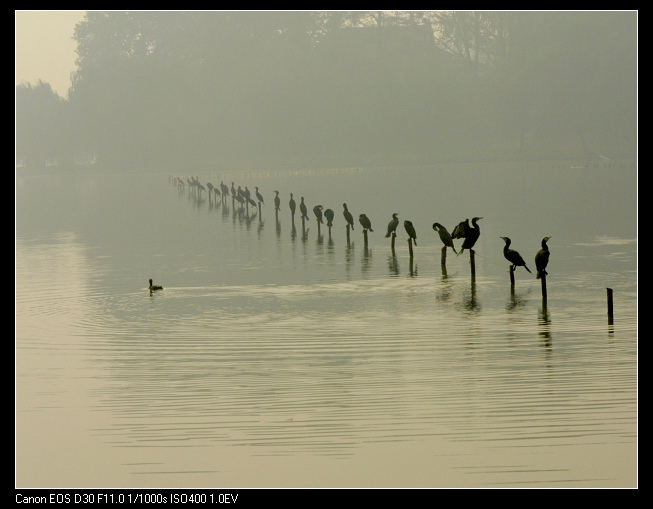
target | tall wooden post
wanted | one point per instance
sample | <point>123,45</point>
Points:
<point>472,262</point>
<point>610,309</point>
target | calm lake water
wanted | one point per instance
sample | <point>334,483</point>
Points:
<point>281,357</point>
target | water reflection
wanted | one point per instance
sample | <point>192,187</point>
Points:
<point>544,322</point>
<point>393,265</point>
<point>267,357</point>
<point>470,300</point>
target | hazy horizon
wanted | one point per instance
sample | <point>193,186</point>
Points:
<point>45,48</point>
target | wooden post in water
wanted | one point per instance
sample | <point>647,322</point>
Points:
<point>610,309</point>
<point>543,278</point>
<point>365,238</point>
<point>410,246</point>
<point>512,276</point>
<point>472,261</point>
<point>392,242</point>
<point>348,233</point>
<point>443,256</point>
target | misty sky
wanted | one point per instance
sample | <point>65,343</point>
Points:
<point>44,47</point>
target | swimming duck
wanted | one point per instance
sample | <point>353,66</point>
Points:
<point>155,287</point>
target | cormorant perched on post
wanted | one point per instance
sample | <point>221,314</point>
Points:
<point>392,225</point>
<point>365,222</point>
<point>259,196</point>
<point>224,188</point>
<point>471,235</point>
<point>542,259</point>
<point>328,213</point>
<point>303,209</point>
<point>155,287</point>
<point>317,210</point>
<point>513,256</point>
<point>460,231</point>
<point>277,201</point>
<point>292,205</point>
<point>348,217</point>
<point>233,190</point>
<point>445,237</point>
<point>410,230</point>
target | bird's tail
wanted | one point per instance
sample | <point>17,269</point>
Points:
<point>460,252</point>
<point>529,270</point>
<point>371,230</point>
<point>387,235</point>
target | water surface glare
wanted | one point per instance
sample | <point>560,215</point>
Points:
<point>286,358</point>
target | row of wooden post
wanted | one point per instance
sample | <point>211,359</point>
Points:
<point>472,261</point>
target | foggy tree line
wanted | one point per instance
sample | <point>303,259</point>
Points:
<point>197,89</point>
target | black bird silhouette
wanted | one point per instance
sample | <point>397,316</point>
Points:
<point>410,230</point>
<point>317,210</point>
<point>259,196</point>
<point>292,205</point>
<point>328,213</point>
<point>445,237</point>
<point>303,209</point>
<point>460,231</point>
<point>224,188</point>
<point>472,234</point>
<point>348,217</point>
<point>542,259</point>
<point>513,256</point>
<point>365,222</point>
<point>392,225</point>
<point>155,287</point>
<point>277,201</point>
